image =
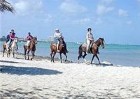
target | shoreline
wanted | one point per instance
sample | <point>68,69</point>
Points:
<point>41,79</point>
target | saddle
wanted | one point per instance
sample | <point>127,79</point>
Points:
<point>90,47</point>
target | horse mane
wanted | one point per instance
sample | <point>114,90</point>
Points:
<point>102,39</point>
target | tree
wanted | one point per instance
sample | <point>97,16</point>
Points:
<point>6,6</point>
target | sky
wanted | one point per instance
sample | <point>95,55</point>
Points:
<point>117,21</point>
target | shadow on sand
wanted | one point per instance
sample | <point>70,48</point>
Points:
<point>8,61</point>
<point>27,70</point>
<point>103,64</point>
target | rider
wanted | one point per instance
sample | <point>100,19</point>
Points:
<point>8,37</point>
<point>89,39</point>
<point>57,37</point>
<point>29,38</point>
<point>12,37</point>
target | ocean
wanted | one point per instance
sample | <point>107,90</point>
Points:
<point>121,55</point>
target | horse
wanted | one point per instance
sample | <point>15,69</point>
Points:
<point>31,47</point>
<point>61,47</point>
<point>93,50</point>
<point>13,48</point>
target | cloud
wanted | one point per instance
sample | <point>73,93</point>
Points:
<point>138,1</point>
<point>129,22</point>
<point>107,2</point>
<point>102,9</point>
<point>104,6</point>
<point>98,21</point>
<point>72,7</point>
<point>82,21</point>
<point>24,7</point>
<point>122,12</point>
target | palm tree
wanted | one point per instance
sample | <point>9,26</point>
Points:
<point>6,6</point>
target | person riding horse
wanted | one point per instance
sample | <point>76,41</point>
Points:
<point>8,37</point>
<point>29,38</point>
<point>89,39</point>
<point>93,50</point>
<point>12,37</point>
<point>59,38</point>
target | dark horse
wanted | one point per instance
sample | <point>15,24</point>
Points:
<point>61,47</point>
<point>93,50</point>
<point>31,47</point>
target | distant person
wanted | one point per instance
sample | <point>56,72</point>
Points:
<point>89,39</point>
<point>29,38</point>
<point>57,37</point>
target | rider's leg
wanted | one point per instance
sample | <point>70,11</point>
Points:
<point>10,43</point>
<point>58,46</point>
<point>88,45</point>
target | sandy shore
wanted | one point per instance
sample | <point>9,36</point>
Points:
<point>41,79</point>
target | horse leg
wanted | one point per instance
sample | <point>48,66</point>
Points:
<point>92,58</point>
<point>65,56</point>
<point>4,51</point>
<point>33,54</point>
<point>8,52</point>
<point>98,58</point>
<point>28,55</point>
<point>25,52</point>
<point>84,56</point>
<point>80,52</point>
<point>12,51</point>
<point>53,56</point>
<point>13,54</point>
<point>61,57</point>
<point>80,55</point>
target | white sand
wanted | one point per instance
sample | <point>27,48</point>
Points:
<point>42,79</point>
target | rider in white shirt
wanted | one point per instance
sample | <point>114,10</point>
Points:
<point>89,39</point>
<point>57,36</point>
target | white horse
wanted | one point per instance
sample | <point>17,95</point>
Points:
<point>14,46</point>
<point>13,49</point>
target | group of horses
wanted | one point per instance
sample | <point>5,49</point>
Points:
<point>14,47</point>
<point>94,49</point>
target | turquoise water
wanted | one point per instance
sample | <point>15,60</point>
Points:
<point>128,55</point>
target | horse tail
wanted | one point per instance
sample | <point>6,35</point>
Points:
<point>80,49</point>
<point>80,52</point>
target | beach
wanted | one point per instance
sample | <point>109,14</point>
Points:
<point>41,79</point>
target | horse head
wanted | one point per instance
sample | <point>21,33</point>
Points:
<point>101,42</point>
<point>15,40</point>
<point>34,40</point>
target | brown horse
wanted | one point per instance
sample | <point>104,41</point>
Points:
<point>62,48</point>
<point>93,50</point>
<point>31,47</point>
